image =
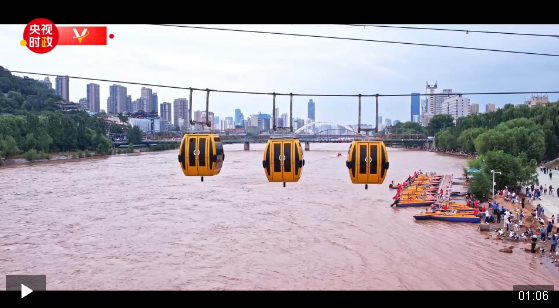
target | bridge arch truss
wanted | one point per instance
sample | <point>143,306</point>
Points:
<point>300,129</point>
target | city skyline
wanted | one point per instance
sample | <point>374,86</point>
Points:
<point>215,60</point>
<point>431,103</point>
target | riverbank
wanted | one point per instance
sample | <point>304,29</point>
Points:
<point>549,260</point>
<point>461,154</point>
<point>65,156</point>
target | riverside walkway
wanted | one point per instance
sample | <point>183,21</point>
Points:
<point>550,203</point>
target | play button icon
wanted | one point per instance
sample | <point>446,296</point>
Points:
<point>26,284</point>
<point>25,291</point>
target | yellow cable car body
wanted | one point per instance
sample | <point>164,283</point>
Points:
<point>283,160</point>
<point>367,162</point>
<point>201,155</point>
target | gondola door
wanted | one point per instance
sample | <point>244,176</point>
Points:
<point>288,159</point>
<point>374,163</point>
<point>203,156</point>
<point>352,154</point>
<point>362,162</point>
<point>277,161</point>
<point>191,156</point>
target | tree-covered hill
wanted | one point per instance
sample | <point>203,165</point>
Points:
<point>19,94</point>
<point>37,125</point>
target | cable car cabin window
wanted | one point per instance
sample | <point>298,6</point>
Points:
<point>202,156</point>
<point>363,159</point>
<point>268,150</point>
<point>374,159</point>
<point>218,148</point>
<point>354,161</point>
<point>383,161</point>
<point>217,139</point>
<point>183,155</point>
<point>297,159</point>
<point>211,151</point>
<point>192,150</point>
<point>277,155</point>
<point>287,154</point>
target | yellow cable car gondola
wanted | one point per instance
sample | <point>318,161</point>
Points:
<point>201,155</point>
<point>283,160</point>
<point>367,162</point>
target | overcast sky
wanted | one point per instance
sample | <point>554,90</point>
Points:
<point>272,63</point>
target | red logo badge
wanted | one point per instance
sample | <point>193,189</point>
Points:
<point>42,35</point>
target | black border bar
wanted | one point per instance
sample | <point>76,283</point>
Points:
<point>479,296</point>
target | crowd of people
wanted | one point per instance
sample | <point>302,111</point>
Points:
<point>513,221</point>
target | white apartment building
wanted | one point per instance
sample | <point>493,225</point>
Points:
<point>457,106</point>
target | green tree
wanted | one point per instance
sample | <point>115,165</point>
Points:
<point>8,146</point>
<point>134,135</point>
<point>439,122</point>
<point>70,134</point>
<point>55,130</point>
<point>30,142</point>
<point>480,186</point>
<point>122,118</point>
<point>514,137</point>
<point>130,148</point>
<point>446,140</point>
<point>408,128</point>
<point>102,144</point>
<point>43,141</point>
<point>467,137</point>
<point>5,84</point>
<point>115,129</point>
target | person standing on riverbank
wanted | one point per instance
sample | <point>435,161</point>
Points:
<point>554,243</point>
<point>523,200</point>
<point>534,240</point>
<point>549,228</point>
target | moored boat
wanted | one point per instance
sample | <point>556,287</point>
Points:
<point>448,216</point>
<point>413,203</point>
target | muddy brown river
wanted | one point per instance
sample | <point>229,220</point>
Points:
<point>135,222</point>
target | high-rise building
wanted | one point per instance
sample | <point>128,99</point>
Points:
<point>311,112</point>
<point>416,119</point>
<point>93,97</point>
<point>388,122</point>
<point>230,122</point>
<point>47,82</point>
<point>180,110</point>
<point>83,103</point>
<point>396,122</point>
<point>474,108</point>
<point>424,106</point>
<point>431,98</point>
<point>165,112</point>
<point>148,96</point>
<point>457,106</point>
<point>118,98</point>
<point>489,107</point>
<point>63,87</point>
<point>285,120</point>
<point>154,103</point>
<point>140,104</point>
<point>253,120</point>
<point>379,120</point>
<point>277,117</point>
<point>238,116</point>
<point>129,106</point>
<point>415,105</point>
